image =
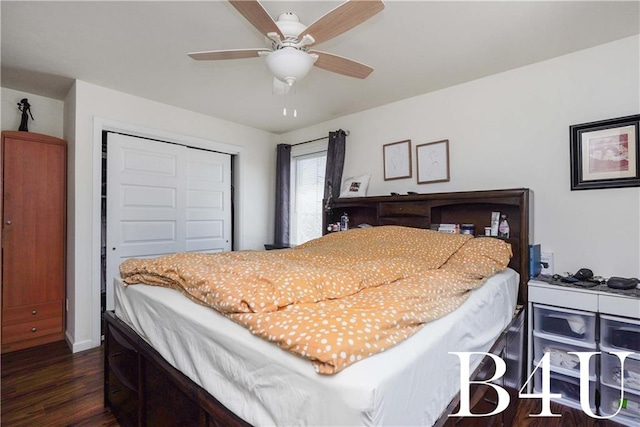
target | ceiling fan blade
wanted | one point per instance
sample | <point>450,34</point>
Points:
<point>341,65</point>
<point>227,54</point>
<point>256,14</point>
<point>343,18</point>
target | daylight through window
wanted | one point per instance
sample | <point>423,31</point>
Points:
<point>307,176</point>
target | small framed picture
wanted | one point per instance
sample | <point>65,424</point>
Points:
<point>397,160</point>
<point>605,154</point>
<point>433,162</point>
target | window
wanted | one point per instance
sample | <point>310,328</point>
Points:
<point>307,190</point>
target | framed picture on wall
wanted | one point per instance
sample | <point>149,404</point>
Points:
<point>397,160</point>
<point>605,154</point>
<point>433,162</point>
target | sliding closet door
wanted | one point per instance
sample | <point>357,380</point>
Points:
<point>144,179</point>
<point>208,204</point>
<point>164,198</point>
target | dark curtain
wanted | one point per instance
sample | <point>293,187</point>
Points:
<point>335,164</point>
<point>283,181</point>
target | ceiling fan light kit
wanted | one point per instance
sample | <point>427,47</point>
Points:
<point>290,64</point>
<point>288,39</point>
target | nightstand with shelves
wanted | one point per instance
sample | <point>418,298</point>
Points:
<point>564,318</point>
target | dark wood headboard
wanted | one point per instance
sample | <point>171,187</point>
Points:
<point>468,207</point>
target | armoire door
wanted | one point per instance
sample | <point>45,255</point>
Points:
<point>33,239</point>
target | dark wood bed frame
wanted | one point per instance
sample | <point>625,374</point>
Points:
<point>142,389</point>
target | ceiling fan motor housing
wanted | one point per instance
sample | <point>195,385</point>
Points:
<point>290,25</point>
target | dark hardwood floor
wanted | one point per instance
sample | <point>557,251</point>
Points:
<point>569,417</point>
<point>50,386</point>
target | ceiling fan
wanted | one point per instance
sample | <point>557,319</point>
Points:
<point>288,56</point>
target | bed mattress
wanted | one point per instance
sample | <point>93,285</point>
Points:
<point>409,384</point>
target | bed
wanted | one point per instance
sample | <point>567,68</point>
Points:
<point>170,361</point>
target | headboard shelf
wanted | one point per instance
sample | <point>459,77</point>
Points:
<point>467,207</point>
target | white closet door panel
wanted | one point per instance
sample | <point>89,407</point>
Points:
<point>145,191</point>
<point>148,197</point>
<point>211,251</point>
<point>208,201</point>
<point>145,162</point>
<point>206,167</point>
<point>204,205</point>
<point>205,229</point>
<point>203,235</point>
<point>164,198</point>
<point>158,236</point>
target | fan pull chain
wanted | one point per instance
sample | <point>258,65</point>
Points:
<point>289,105</point>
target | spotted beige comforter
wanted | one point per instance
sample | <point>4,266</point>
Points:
<point>337,299</point>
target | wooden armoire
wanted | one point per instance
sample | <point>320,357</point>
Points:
<point>33,196</point>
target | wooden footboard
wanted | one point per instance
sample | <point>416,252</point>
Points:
<point>142,389</point>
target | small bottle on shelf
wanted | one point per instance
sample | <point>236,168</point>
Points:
<point>344,222</point>
<point>503,228</point>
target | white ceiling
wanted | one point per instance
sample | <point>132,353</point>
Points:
<point>415,47</point>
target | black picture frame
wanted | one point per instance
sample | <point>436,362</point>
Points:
<point>605,154</point>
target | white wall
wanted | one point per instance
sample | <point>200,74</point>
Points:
<point>47,113</point>
<point>70,137</point>
<point>512,130</point>
<point>254,174</point>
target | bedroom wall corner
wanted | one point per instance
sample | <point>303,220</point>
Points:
<point>70,137</point>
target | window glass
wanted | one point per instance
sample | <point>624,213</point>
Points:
<point>307,176</point>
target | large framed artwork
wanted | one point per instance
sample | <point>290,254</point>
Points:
<point>605,154</point>
<point>433,162</point>
<point>397,160</point>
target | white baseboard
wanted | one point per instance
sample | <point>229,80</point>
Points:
<point>78,346</point>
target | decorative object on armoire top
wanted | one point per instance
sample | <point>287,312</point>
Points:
<point>605,154</point>
<point>433,162</point>
<point>25,108</point>
<point>396,158</point>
